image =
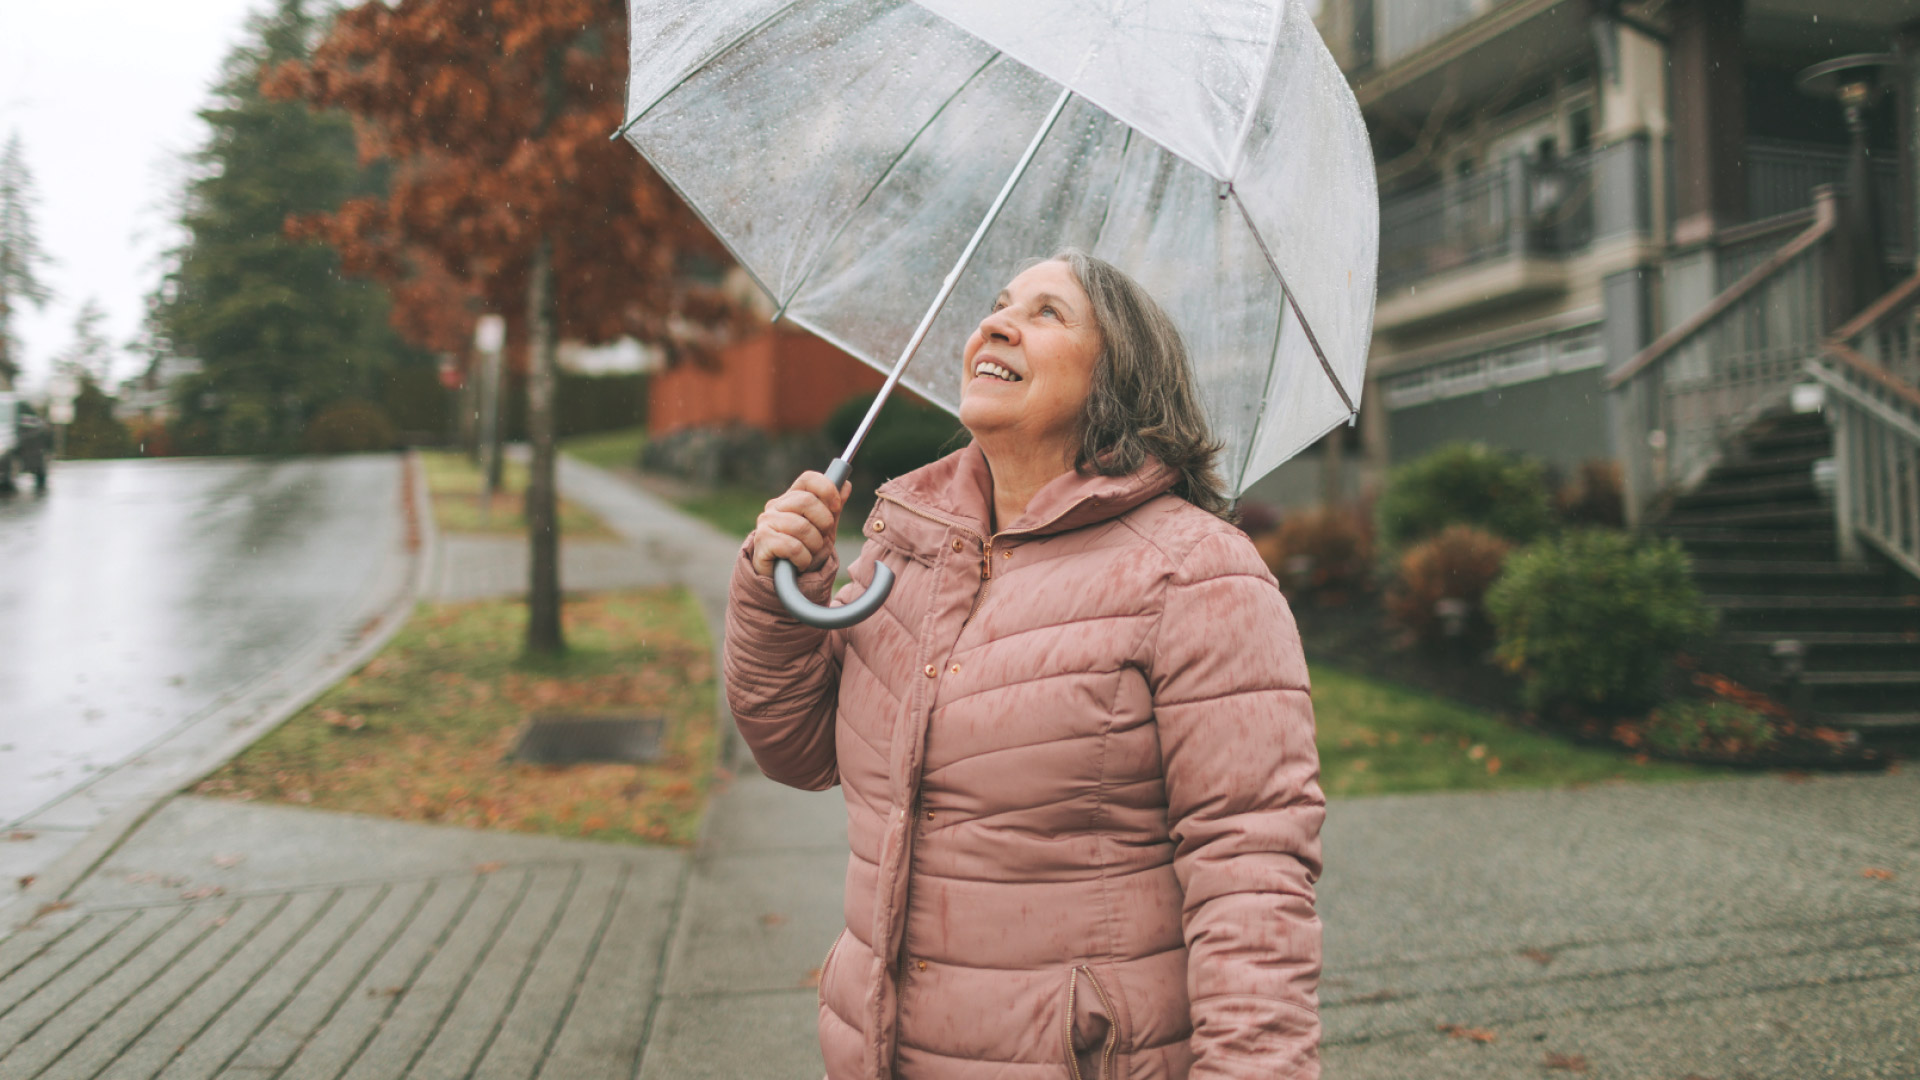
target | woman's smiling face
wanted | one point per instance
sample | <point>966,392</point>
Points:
<point>1029,364</point>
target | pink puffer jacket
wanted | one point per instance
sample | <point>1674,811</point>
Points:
<point>1081,787</point>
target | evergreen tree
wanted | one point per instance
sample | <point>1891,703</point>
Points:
<point>20,255</point>
<point>90,355</point>
<point>278,332</point>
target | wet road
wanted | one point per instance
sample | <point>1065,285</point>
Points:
<point>139,596</point>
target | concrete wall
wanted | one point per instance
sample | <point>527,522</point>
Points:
<point>1560,419</point>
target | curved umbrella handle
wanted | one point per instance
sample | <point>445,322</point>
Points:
<point>786,582</point>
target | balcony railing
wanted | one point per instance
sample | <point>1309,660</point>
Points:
<point>1405,25</point>
<point>1522,208</point>
<point>1781,177</point>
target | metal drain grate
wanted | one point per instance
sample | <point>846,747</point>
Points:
<point>575,738</point>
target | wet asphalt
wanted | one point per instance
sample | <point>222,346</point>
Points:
<point>138,595</point>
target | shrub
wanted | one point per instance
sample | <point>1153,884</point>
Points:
<point>1455,568</point>
<point>1463,484</point>
<point>906,435</point>
<point>1595,497</point>
<point>1593,618</point>
<point>351,427</point>
<point>1708,726</point>
<point>1323,550</point>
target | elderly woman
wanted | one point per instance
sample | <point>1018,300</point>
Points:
<point>1076,745</point>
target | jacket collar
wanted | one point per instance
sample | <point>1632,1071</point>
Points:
<point>958,489</point>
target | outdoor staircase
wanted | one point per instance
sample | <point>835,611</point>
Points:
<point>1838,640</point>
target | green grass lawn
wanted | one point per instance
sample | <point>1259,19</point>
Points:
<point>456,486</point>
<point>608,449</point>
<point>425,731</point>
<point>1377,739</point>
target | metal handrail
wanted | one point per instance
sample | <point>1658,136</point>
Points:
<point>1685,395</point>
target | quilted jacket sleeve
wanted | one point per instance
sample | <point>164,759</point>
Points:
<point>783,677</point>
<point>1245,808</point>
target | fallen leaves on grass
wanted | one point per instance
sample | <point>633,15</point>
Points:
<point>1876,873</point>
<point>773,918</point>
<point>489,867</point>
<point>426,731</point>
<point>1469,1034</point>
<point>203,892</point>
<point>1566,1062</point>
<point>1538,956</point>
<point>19,836</point>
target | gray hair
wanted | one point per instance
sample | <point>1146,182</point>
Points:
<point>1143,403</point>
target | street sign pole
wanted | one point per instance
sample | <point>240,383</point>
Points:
<point>490,338</point>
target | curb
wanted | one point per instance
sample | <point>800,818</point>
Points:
<point>52,885</point>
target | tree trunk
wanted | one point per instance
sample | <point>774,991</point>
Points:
<point>543,589</point>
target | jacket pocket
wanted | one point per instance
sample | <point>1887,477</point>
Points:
<point>826,966</point>
<point>1090,1030</point>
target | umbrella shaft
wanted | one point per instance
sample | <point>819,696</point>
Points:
<point>953,277</point>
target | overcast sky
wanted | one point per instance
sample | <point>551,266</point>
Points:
<point>104,95</point>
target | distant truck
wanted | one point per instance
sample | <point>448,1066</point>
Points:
<point>25,444</point>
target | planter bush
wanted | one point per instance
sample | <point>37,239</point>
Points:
<point>1593,618</point>
<point>1326,551</point>
<point>1463,484</point>
<point>906,435</point>
<point>1441,587</point>
<point>1595,497</point>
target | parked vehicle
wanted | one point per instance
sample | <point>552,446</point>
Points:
<point>26,442</point>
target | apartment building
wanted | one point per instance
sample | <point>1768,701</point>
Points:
<point>1564,181</point>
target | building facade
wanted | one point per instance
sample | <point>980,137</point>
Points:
<point>1566,181</point>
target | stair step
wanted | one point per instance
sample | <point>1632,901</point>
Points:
<point>1796,462</point>
<point>1875,723</point>
<point>1797,616</point>
<point>1800,431</point>
<point>1826,638</point>
<point>1772,489</point>
<point>1820,603</point>
<point>1784,567</point>
<point>1787,577</point>
<point>1861,678</point>
<point>1812,515</point>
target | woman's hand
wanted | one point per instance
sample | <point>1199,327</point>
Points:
<point>799,525</point>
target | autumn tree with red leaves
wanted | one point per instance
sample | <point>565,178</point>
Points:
<point>493,117</point>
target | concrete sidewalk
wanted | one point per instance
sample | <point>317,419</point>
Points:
<point>1714,930</point>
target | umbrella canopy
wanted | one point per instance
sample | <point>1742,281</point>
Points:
<point>857,155</point>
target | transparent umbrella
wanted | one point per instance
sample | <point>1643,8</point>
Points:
<point>883,167</point>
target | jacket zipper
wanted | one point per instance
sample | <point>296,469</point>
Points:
<point>1113,1024</point>
<point>986,581</point>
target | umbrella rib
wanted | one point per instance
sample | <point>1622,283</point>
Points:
<point>953,276</point>
<point>696,69</point>
<point>892,166</point>
<point>1292,301</point>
